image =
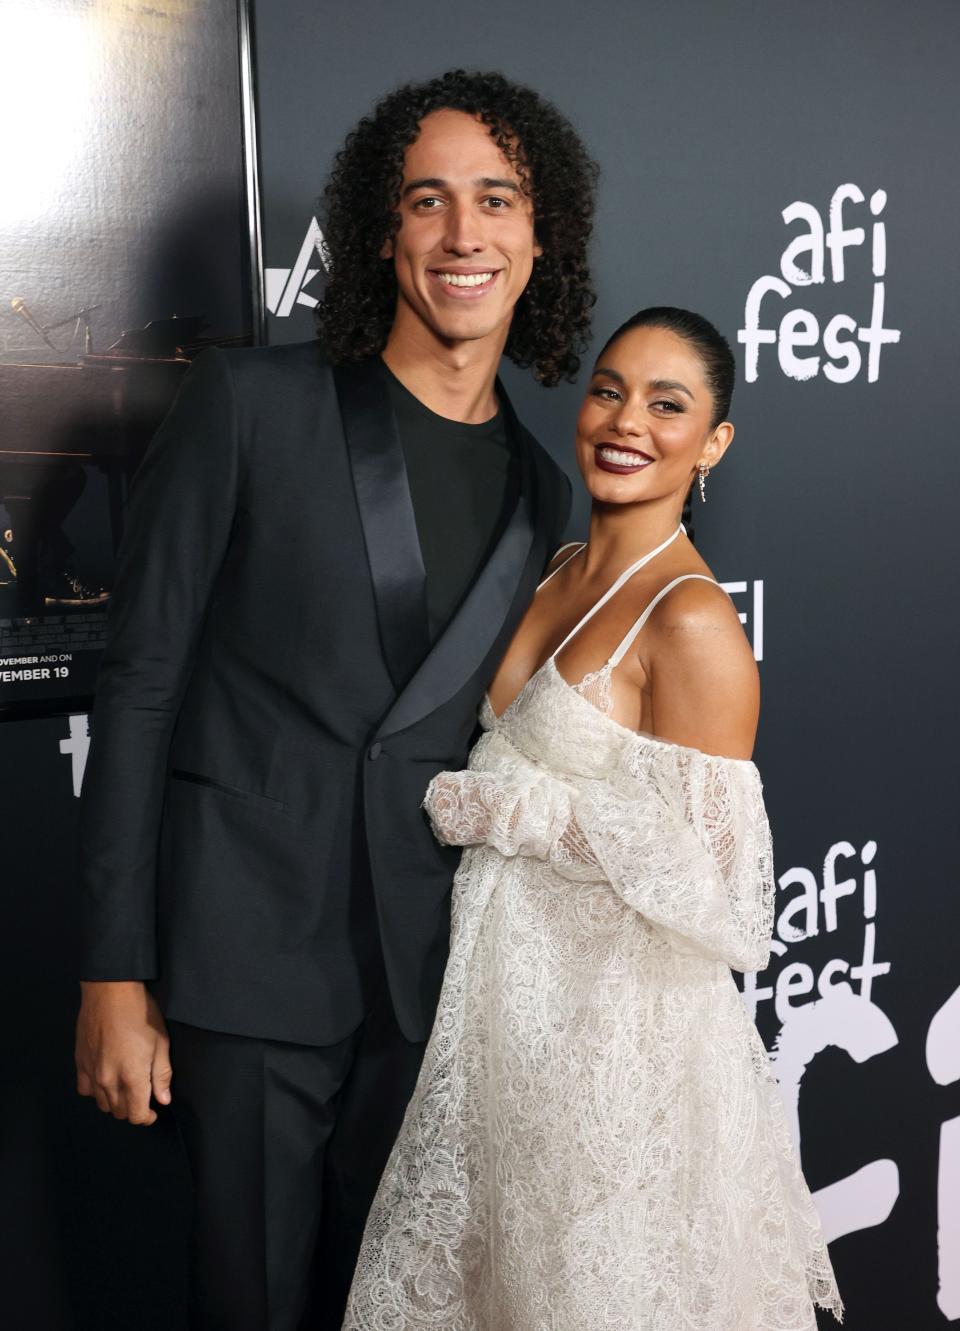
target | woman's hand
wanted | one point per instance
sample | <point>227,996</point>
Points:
<point>459,806</point>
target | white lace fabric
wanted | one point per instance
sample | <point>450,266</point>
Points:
<point>596,1139</point>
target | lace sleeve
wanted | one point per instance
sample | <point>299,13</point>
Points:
<point>527,816</point>
<point>691,851</point>
<point>682,837</point>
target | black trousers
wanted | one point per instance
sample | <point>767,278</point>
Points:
<point>286,1145</point>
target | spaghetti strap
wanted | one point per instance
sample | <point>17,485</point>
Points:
<point>581,545</point>
<point>612,591</point>
<point>629,640</point>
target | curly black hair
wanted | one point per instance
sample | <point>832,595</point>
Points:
<point>551,321</point>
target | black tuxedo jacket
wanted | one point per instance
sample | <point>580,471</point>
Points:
<point>269,710</point>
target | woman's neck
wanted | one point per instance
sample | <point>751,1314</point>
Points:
<point>620,534</point>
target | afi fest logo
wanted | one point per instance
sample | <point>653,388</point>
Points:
<point>837,1007</point>
<point>803,263</point>
<point>284,287</point>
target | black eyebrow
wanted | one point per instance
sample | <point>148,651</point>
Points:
<point>485,182</point>
<point>425,182</point>
<point>497,182</point>
<point>671,383</point>
<point>659,384</point>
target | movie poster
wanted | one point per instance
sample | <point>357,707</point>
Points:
<point>125,245</point>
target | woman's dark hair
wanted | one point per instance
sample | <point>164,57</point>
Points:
<point>552,317</point>
<point>719,366</point>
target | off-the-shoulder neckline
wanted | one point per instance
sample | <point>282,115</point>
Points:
<point>634,735</point>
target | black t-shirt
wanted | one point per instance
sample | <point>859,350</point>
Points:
<point>464,483</point>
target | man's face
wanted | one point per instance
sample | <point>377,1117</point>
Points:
<point>465,246</point>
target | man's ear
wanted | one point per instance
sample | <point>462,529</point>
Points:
<point>537,248</point>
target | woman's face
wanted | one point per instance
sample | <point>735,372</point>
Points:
<point>645,423</point>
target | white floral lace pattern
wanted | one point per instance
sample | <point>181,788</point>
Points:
<point>596,1139</point>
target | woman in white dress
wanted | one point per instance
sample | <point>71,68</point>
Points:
<point>596,1141</point>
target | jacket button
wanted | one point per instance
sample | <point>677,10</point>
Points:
<point>375,751</point>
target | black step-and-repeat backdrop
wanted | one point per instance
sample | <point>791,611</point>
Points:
<point>787,171</point>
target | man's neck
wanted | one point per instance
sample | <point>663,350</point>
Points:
<point>455,380</point>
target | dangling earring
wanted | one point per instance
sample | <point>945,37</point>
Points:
<point>703,472</point>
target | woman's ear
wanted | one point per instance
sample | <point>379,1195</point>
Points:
<point>386,249</point>
<point>721,437</point>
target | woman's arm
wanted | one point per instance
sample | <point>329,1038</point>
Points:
<point>680,836</point>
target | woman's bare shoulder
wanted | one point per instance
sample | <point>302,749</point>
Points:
<point>705,683</point>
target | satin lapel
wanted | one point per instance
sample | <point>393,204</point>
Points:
<point>386,514</point>
<point>513,569</point>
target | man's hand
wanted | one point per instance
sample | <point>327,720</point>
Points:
<point>122,1049</point>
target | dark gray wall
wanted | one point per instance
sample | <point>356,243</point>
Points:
<point>708,120</point>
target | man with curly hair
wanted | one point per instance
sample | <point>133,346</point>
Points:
<point>329,546</point>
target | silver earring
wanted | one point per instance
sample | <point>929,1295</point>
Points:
<point>703,473</point>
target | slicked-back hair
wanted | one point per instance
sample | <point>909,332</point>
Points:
<point>719,365</point>
<point>551,321</point>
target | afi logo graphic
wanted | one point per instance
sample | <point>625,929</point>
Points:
<point>841,1015</point>
<point>285,286</point>
<point>76,748</point>
<point>752,620</point>
<point>838,356</point>
<point>837,1008</point>
<point>943,1064</point>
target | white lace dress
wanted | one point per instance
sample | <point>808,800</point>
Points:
<point>596,1140</point>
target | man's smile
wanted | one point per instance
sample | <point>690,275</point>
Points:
<point>464,282</point>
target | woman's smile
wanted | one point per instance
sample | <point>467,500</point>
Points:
<point>622,461</point>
